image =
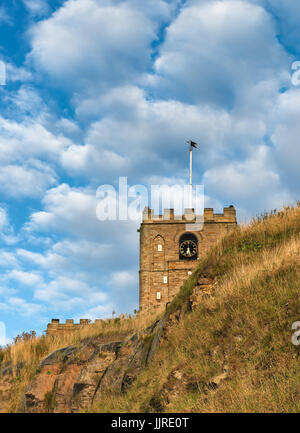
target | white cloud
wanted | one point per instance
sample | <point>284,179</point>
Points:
<point>158,10</point>
<point>138,137</point>
<point>285,136</point>
<point>287,14</point>
<point>6,229</point>
<point>72,211</point>
<point>27,100</point>
<point>23,147</point>
<point>3,219</point>
<point>94,261</point>
<point>8,259</point>
<point>250,184</point>
<point>92,243</point>
<point>100,311</point>
<point>26,181</point>
<point>214,49</point>
<point>84,255</point>
<point>61,288</point>
<point>87,40</point>
<point>65,294</point>
<point>68,126</point>
<point>26,278</point>
<point>39,259</point>
<point>23,307</point>
<point>124,279</point>
<point>37,7</point>
<point>14,73</point>
<point>66,209</point>
<point>28,139</point>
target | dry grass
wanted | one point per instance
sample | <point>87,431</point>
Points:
<point>245,327</point>
<point>25,356</point>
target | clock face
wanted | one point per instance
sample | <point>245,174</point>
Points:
<point>188,249</point>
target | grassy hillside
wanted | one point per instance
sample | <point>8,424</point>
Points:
<point>232,352</point>
<point>24,357</point>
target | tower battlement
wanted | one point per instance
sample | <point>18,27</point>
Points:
<point>228,216</point>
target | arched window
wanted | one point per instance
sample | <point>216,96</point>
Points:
<point>188,247</point>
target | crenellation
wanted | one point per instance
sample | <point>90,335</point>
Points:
<point>56,328</point>
<point>169,217</point>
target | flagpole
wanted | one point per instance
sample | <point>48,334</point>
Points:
<point>191,185</point>
<point>192,144</point>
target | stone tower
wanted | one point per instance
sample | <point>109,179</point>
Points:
<point>169,253</point>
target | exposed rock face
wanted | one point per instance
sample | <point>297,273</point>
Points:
<point>67,378</point>
<point>203,288</point>
<point>60,355</point>
<point>72,378</point>
<point>87,382</point>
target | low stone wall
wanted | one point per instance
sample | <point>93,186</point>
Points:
<point>56,328</point>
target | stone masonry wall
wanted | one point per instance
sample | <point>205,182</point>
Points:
<point>56,328</point>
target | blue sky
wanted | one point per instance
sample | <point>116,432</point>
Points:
<point>98,89</point>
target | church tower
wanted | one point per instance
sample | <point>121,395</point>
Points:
<point>169,253</point>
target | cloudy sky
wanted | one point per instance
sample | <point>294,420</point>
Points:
<point>97,89</point>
